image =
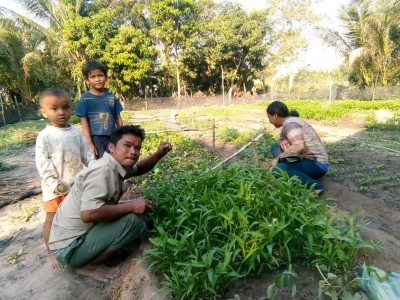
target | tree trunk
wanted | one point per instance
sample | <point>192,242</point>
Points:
<point>17,106</point>
<point>263,85</point>
<point>178,80</point>
<point>374,87</point>
<point>223,86</point>
<point>2,110</point>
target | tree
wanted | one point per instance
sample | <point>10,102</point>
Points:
<point>172,22</point>
<point>21,67</point>
<point>370,42</point>
<point>129,55</point>
<point>290,19</point>
<point>233,48</point>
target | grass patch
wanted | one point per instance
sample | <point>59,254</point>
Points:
<point>15,138</point>
<point>26,214</point>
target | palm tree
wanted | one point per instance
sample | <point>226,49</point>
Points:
<point>20,59</point>
<point>368,41</point>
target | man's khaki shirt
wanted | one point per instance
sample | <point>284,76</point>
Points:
<point>95,186</point>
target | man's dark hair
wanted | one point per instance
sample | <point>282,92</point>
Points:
<point>53,92</point>
<point>279,108</point>
<point>92,65</point>
<point>127,129</point>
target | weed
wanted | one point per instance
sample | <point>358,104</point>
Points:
<point>229,134</point>
<point>285,280</point>
<point>336,288</point>
<point>13,258</point>
<point>26,214</point>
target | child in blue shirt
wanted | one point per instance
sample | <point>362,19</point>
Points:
<point>99,109</point>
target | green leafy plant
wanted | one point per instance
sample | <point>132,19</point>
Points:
<point>229,134</point>
<point>286,279</point>
<point>13,258</point>
<point>26,214</point>
<point>217,226</point>
<point>336,288</point>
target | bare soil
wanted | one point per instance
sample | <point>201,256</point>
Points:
<point>25,273</point>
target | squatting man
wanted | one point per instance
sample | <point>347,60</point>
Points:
<point>90,224</point>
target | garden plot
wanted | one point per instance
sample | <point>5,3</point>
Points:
<point>349,188</point>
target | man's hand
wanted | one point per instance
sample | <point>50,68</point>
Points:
<point>139,206</point>
<point>109,212</point>
<point>164,148</point>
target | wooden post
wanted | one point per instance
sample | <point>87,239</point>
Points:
<point>213,135</point>
<point>237,152</point>
<point>17,107</point>
<point>3,110</point>
<point>253,142</point>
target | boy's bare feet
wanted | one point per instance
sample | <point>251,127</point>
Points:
<point>99,272</point>
<point>53,261</point>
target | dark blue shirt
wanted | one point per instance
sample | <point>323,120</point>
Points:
<point>100,111</point>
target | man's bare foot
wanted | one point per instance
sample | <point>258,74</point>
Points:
<point>53,261</point>
<point>99,272</point>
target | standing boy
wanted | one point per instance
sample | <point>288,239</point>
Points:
<point>99,109</point>
<point>61,151</point>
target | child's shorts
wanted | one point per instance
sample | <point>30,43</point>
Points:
<point>52,205</point>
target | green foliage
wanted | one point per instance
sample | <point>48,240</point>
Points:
<point>21,63</point>
<point>25,215</point>
<point>13,258</point>
<point>331,110</point>
<point>285,280</point>
<point>336,288</point>
<point>263,147</point>
<point>187,155</point>
<point>392,124</point>
<point>229,134</point>
<point>75,119</point>
<point>216,226</point>
<point>129,55</point>
<point>16,138</point>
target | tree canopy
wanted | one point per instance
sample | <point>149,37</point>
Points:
<point>185,46</point>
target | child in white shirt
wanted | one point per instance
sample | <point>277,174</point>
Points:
<point>61,152</point>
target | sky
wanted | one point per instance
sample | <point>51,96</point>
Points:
<point>317,56</point>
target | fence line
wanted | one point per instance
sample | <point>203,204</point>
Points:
<point>237,152</point>
<point>213,137</point>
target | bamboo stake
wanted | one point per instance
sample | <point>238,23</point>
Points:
<point>237,152</point>
<point>255,153</point>
<point>213,135</point>
<point>381,147</point>
<point>180,130</point>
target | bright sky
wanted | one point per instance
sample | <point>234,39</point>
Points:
<point>317,56</point>
<point>11,4</point>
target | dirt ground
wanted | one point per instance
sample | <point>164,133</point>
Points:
<point>25,273</point>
